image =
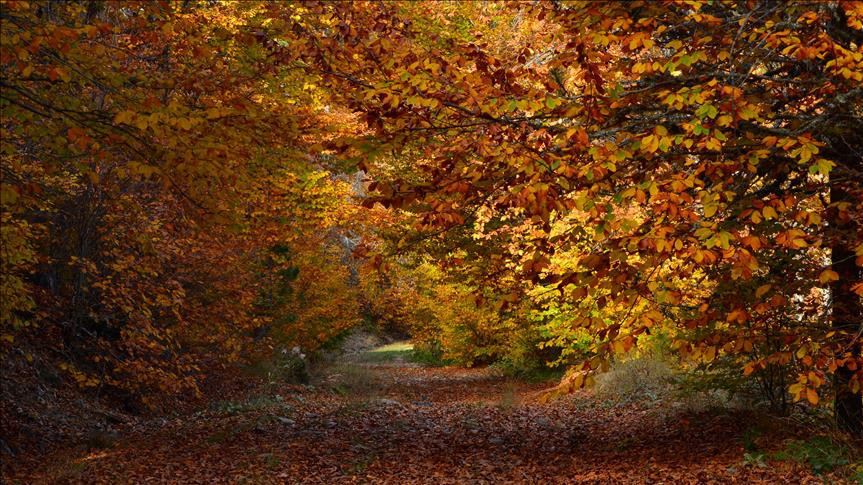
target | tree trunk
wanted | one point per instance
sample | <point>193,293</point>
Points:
<point>847,315</point>
<point>844,144</point>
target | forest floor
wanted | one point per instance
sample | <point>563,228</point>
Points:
<point>386,420</point>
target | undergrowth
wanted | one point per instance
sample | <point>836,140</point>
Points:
<point>823,454</point>
<point>349,379</point>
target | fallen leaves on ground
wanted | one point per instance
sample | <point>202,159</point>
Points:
<point>413,424</point>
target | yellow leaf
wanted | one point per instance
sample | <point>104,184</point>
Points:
<point>650,143</point>
<point>123,117</point>
<point>828,275</point>
<point>762,290</point>
<point>710,209</point>
<point>713,144</point>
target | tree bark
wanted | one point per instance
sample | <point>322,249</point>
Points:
<point>847,315</point>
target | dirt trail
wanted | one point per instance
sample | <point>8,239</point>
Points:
<point>403,423</point>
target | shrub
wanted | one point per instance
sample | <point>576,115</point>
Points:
<point>821,453</point>
<point>285,365</point>
<point>430,354</point>
<point>646,377</point>
<point>350,379</point>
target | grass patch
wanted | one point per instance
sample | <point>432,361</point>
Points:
<point>403,346</point>
<point>822,453</point>
<point>403,352</point>
<point>394,352</point>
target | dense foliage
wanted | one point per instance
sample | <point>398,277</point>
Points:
<point>161,207</point>
<point>549,182</point>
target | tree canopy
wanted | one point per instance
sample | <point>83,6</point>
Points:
<point>557,182</point>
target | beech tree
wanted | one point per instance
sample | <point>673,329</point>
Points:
<point>161,209</point>
<point>705,157</point>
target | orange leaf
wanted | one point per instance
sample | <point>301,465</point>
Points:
<point>812,396</point>
<point>828,275</point>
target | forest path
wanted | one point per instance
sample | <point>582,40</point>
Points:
<point>400,422</point>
